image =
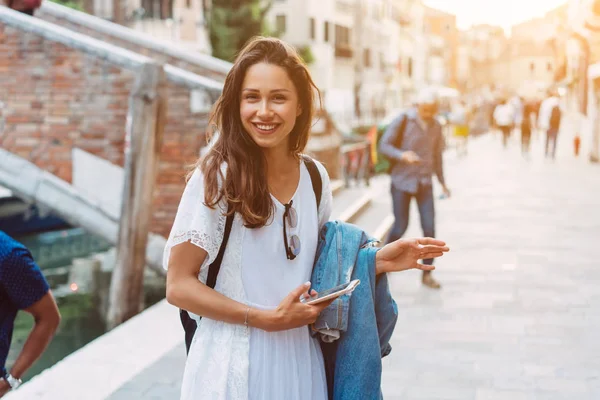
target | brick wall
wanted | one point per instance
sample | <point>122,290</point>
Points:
<point>57,98</point>
<point>74,21</point>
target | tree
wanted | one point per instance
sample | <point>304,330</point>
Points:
<point>76,5</point>
<point>232,23</point>
<point>306,54</point>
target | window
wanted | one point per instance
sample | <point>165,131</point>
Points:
<point>280,23</point>
<point>410,67</point>
<point>342,42</point>
<point>312,29</point>
<point>157,9</point>
<point>532,67</point>
<point>342,36</point>
<point>367,57</point>
<point>326,31</point>
<point>549,67</point>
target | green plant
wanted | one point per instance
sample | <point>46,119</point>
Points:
<point>307,55</point>
<point>75,5</point>
<point>233,22</point>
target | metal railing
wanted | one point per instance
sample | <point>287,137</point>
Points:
<point>356,162</point>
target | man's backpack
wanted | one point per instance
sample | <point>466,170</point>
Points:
<point>189,324</point>
<point>555,117</point>
<point>398,141</point>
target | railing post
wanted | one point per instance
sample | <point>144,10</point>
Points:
<point>145,124</point>
<point>355,160</point>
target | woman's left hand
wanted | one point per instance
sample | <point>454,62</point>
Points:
<point>404,254</point>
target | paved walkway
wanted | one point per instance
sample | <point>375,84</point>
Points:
<point>519,313</point>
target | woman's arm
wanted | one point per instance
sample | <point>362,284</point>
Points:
<point>185,291</point>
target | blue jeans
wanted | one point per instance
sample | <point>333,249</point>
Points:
<point>401,205</point>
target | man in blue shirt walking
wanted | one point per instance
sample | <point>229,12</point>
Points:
<point>23,287</point>
<point>414,143</point>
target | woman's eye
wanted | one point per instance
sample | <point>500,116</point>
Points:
<point>279,98</point>
<point>251,97</point>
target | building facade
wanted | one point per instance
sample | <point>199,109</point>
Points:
<point>582,80</point>
<point>526,68</point>
<point>178,21</point>
<point>483,45</point>
<point>442,44</point>
<point>365,51</point>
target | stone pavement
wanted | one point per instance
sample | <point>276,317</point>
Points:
<point>518,316</point>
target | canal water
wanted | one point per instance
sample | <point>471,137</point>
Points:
<point>81,320</point>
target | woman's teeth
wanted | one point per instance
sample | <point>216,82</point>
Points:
<point>266,127</point>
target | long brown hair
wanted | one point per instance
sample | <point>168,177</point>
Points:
<point>245,186</point>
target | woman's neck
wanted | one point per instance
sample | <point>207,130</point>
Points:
<point>280,163</point>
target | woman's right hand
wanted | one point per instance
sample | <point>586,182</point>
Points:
<point>292,313</point>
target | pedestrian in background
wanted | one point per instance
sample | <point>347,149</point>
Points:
<point>504,119</point>
<point>550,118</point>
<point>460,118</point>
<point>23,287</point>
<point>526,128</point>
<point>414,143</point>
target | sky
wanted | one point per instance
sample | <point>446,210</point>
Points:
<point>495,12</point>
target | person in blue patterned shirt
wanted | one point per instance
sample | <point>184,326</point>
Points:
<point>23,287</point>
<point>417,152</point>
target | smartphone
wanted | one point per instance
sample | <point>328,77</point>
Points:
<point>332,293</point>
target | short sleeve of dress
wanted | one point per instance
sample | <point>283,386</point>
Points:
<point>197,223</point>
<point>326,196</point>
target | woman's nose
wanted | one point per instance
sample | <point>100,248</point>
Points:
<point>264,110</point>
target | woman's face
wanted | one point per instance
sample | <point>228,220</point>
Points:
<point>269,105</point>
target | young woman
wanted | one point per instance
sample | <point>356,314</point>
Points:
<point>253,341</point>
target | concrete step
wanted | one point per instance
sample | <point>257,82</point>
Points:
<point>346,199</point>
<point>377,219</point>
<point>337,186</point>
<point>356,209</point>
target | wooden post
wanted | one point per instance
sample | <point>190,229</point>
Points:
<point>118,12</point>
<point>145,122</point>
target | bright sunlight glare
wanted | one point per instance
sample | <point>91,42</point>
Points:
<point>504,13</point>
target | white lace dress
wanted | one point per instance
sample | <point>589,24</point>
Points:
<point>230,362</point>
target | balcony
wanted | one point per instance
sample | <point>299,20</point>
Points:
<point>343,51</point>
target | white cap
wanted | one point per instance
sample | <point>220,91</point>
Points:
<point>427,96</point>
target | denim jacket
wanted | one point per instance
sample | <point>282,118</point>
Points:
<point>356,328</point>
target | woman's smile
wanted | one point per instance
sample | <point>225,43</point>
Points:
<point>265,128</point>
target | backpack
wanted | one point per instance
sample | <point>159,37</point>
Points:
<point>398,141</point>
<point>189,324</point>
<point>555,116</point>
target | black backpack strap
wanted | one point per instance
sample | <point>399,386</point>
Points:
<point>315,177</point>
<point>189,324</point>
<point>399,139</point>
<point>400,134</point>
<point>215,266</point>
